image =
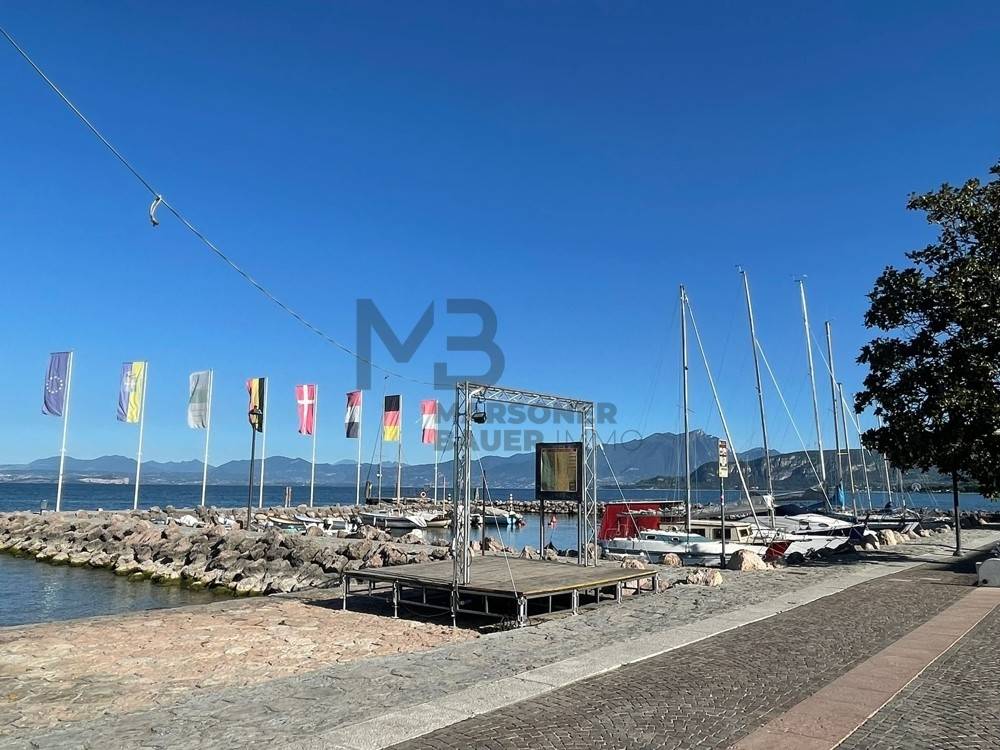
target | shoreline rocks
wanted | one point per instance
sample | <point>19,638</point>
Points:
<point>209,556</point>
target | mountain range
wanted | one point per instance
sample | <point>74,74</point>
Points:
<point>659,454</point>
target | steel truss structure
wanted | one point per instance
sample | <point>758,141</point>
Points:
<point>470,396</point>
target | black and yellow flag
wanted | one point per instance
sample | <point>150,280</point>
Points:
<point>257,388</point>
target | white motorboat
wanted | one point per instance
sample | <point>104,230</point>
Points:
<point>390,520</point>
<point>496,517</point>
<point>655,543</point>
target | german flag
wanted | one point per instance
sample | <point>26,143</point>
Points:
<point>257,388</point>
<point>390,418</point>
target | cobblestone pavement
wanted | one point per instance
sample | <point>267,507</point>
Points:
<point>303,706</point>
<point>954,703</point>
<point>712,693</point>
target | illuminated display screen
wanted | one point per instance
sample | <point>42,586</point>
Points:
<point>559,471</point>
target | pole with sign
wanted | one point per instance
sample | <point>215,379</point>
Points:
<point>723,473</point>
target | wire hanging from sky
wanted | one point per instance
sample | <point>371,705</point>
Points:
<point>159,200</point>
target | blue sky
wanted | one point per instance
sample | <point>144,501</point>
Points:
<point>569,163</point>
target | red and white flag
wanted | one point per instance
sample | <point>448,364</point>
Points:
<point>352,417</point>
<point>305,396</point>
<point>428,421</point>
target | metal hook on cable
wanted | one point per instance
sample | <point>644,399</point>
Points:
<point>152,210</point>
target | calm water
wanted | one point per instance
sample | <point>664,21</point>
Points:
<point>38,592</point>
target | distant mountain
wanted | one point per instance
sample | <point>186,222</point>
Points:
<point>798,471</point>
<point>657,454</point>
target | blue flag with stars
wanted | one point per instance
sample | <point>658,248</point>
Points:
<point>54,397</point>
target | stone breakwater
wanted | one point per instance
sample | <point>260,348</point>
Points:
<point>214,556</point>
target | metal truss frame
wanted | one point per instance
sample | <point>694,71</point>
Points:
<point>467,396</point>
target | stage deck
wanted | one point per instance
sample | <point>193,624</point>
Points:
<point>502,588</point>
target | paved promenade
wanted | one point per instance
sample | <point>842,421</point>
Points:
<point>692,667</point>
<point>715,692</point>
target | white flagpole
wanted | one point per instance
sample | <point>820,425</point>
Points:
<point>381,445</point>
<point>399,454</point>
<point>263,444</point>
<point>312,477</point>
<point>357,482</point>
<point>62,451</point>
<point>435,453</point>
<point>142,425</point>
<point>208,430</point>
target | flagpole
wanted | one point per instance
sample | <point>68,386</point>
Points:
<point>142,425</point>
<point>312,477</point>
<point>361,422</point>
<point>208,430</point>
<point>263,445</point>
<point>399,454</point>
<point>253,448</point>
<point>435,442</point>
<point>381,444</point>
<point>62,451</point>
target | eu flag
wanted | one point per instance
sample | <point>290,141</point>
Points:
<point>54,396</point>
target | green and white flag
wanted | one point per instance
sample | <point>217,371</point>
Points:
<point>198,398</point>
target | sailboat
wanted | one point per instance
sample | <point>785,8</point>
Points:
<point>825,530</point>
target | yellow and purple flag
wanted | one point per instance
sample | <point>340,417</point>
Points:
<point>133,388</point>
<point>257,389</point>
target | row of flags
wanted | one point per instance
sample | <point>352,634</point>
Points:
<point>132,399</point>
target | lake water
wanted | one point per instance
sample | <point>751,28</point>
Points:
<point>39,592</point>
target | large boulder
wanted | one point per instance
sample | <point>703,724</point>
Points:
<point>888,537</point>
<point>394,556</point>
<point>360,550</point>
<point>705,577</point>
<point>633,563</point>
<point>745,560</point>
<point>670,560</point>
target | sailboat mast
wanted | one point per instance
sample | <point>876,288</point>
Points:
<point>833,392</point>
<point>885,466</point>
<point>687,432</point>
<point>847,449</point>
<point>812,383</point>
<point>760,396</point>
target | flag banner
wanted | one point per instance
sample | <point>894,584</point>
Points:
<point>200,388</point>
<point>130,394</point>
<point>352,418</point>
<point>390,419</point>
<point>428,421</point>
<point>256,387</point>
<point>54,396</point>
<point>305,397</point>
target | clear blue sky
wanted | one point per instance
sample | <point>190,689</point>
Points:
<point>570,163</point>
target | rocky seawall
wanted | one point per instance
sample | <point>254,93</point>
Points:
<point>211,555</point>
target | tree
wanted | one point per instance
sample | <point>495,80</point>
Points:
<point>934,376</point>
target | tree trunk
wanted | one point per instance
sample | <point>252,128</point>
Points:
<point>958,524</point>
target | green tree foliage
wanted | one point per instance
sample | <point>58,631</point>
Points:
<point>934,374</point>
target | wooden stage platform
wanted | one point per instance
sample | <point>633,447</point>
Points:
<point>512,588</point>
